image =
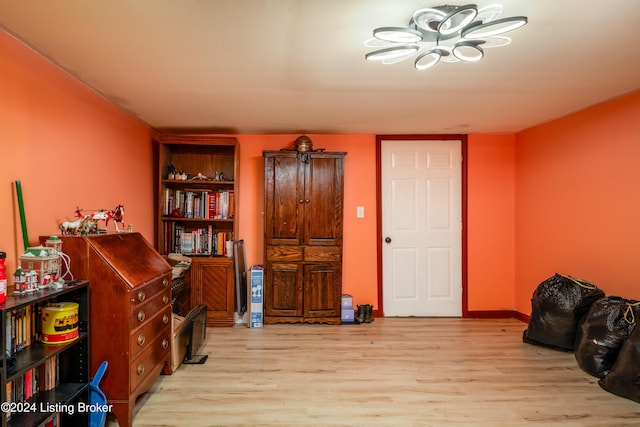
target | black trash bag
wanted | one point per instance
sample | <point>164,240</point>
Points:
<point>557,308</point>
<point>624,377</point>
<point>607,325</point>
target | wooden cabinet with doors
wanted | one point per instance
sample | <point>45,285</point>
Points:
<point>303,236</point>
<point>212,284</point>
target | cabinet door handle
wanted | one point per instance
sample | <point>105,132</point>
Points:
<point>165,343</point>
<point>141,339</point>
<point>140,369</point>
<point>141,296</point>
<point>141,316</point>
<point>301,201</point>
<point>165,319</point>
<point>165,299</point>
<point>307,201</point>
<point>165,282</point>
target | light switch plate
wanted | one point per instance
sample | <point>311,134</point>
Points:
<point>359,211</point>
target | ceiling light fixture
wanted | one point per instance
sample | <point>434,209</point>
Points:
<point>448,33</point>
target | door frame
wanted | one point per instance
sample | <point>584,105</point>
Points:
<point>463,149</point>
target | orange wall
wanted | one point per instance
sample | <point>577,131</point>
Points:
<point>69,147</point>
<point>577,207</point>
<point>552,198</point>
<point>359,264</point>
<point>490,222</point>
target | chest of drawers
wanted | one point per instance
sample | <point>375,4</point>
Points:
<point>130,288</point>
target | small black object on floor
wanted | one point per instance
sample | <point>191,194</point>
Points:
<point>198,359</point>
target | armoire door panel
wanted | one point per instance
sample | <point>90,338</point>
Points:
<point>284,187</point>
<point>324,200</point>
<point>283,290</point>
<point>321,287</point>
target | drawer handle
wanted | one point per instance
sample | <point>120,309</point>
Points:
<point>141,296</point>
<point>165,282</point>
<point>165,319</point>
<point>165,343</point>
<point>140,369</point>
<point>141,316</point>
<point>141,339</point>
<point>165,299</point>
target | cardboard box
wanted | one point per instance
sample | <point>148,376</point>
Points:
<point>179,341</point>
<point>256,277</point>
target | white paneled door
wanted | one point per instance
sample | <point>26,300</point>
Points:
<point>421,227</point>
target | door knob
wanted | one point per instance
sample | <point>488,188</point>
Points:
<point>387,239</point>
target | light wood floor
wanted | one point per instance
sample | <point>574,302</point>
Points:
<point>392,372</point>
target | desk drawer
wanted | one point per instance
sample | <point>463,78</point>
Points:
<point>284,253</point>
<point>140,313</point>
<point>141,294</point>
<point>150,361</point>
<point>322,253</point>
<point>142,337</point>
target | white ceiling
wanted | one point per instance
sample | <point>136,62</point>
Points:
<point>289,66</point>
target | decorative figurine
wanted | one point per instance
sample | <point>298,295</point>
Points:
<point>71,228</point>
<point>118,217</point>
<point>20,281</point>
<point>88,224</point>
<point>171,172</point>
<point>303,144</point>
<point>200,176</point>
<point>31,281</point>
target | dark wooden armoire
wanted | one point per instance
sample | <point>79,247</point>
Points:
<point>303,236</point>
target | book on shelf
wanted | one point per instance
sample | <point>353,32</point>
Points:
<point>199,204</point>
<point>204,241</point>
<point>42,378</point>
<point>186,243</point>
<point>21,328</point>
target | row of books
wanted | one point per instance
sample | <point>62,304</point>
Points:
<point>199,241</point>
<point>22,328</point>
<point>199,204</point>
<point>44,377</point>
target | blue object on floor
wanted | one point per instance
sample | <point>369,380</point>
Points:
<point>97,397</point>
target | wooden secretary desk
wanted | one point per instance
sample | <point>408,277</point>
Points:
<point>130,312</point>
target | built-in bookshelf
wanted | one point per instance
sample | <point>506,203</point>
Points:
<point>197,195</point>
<point>197,206</point>
<point>43,383</point>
